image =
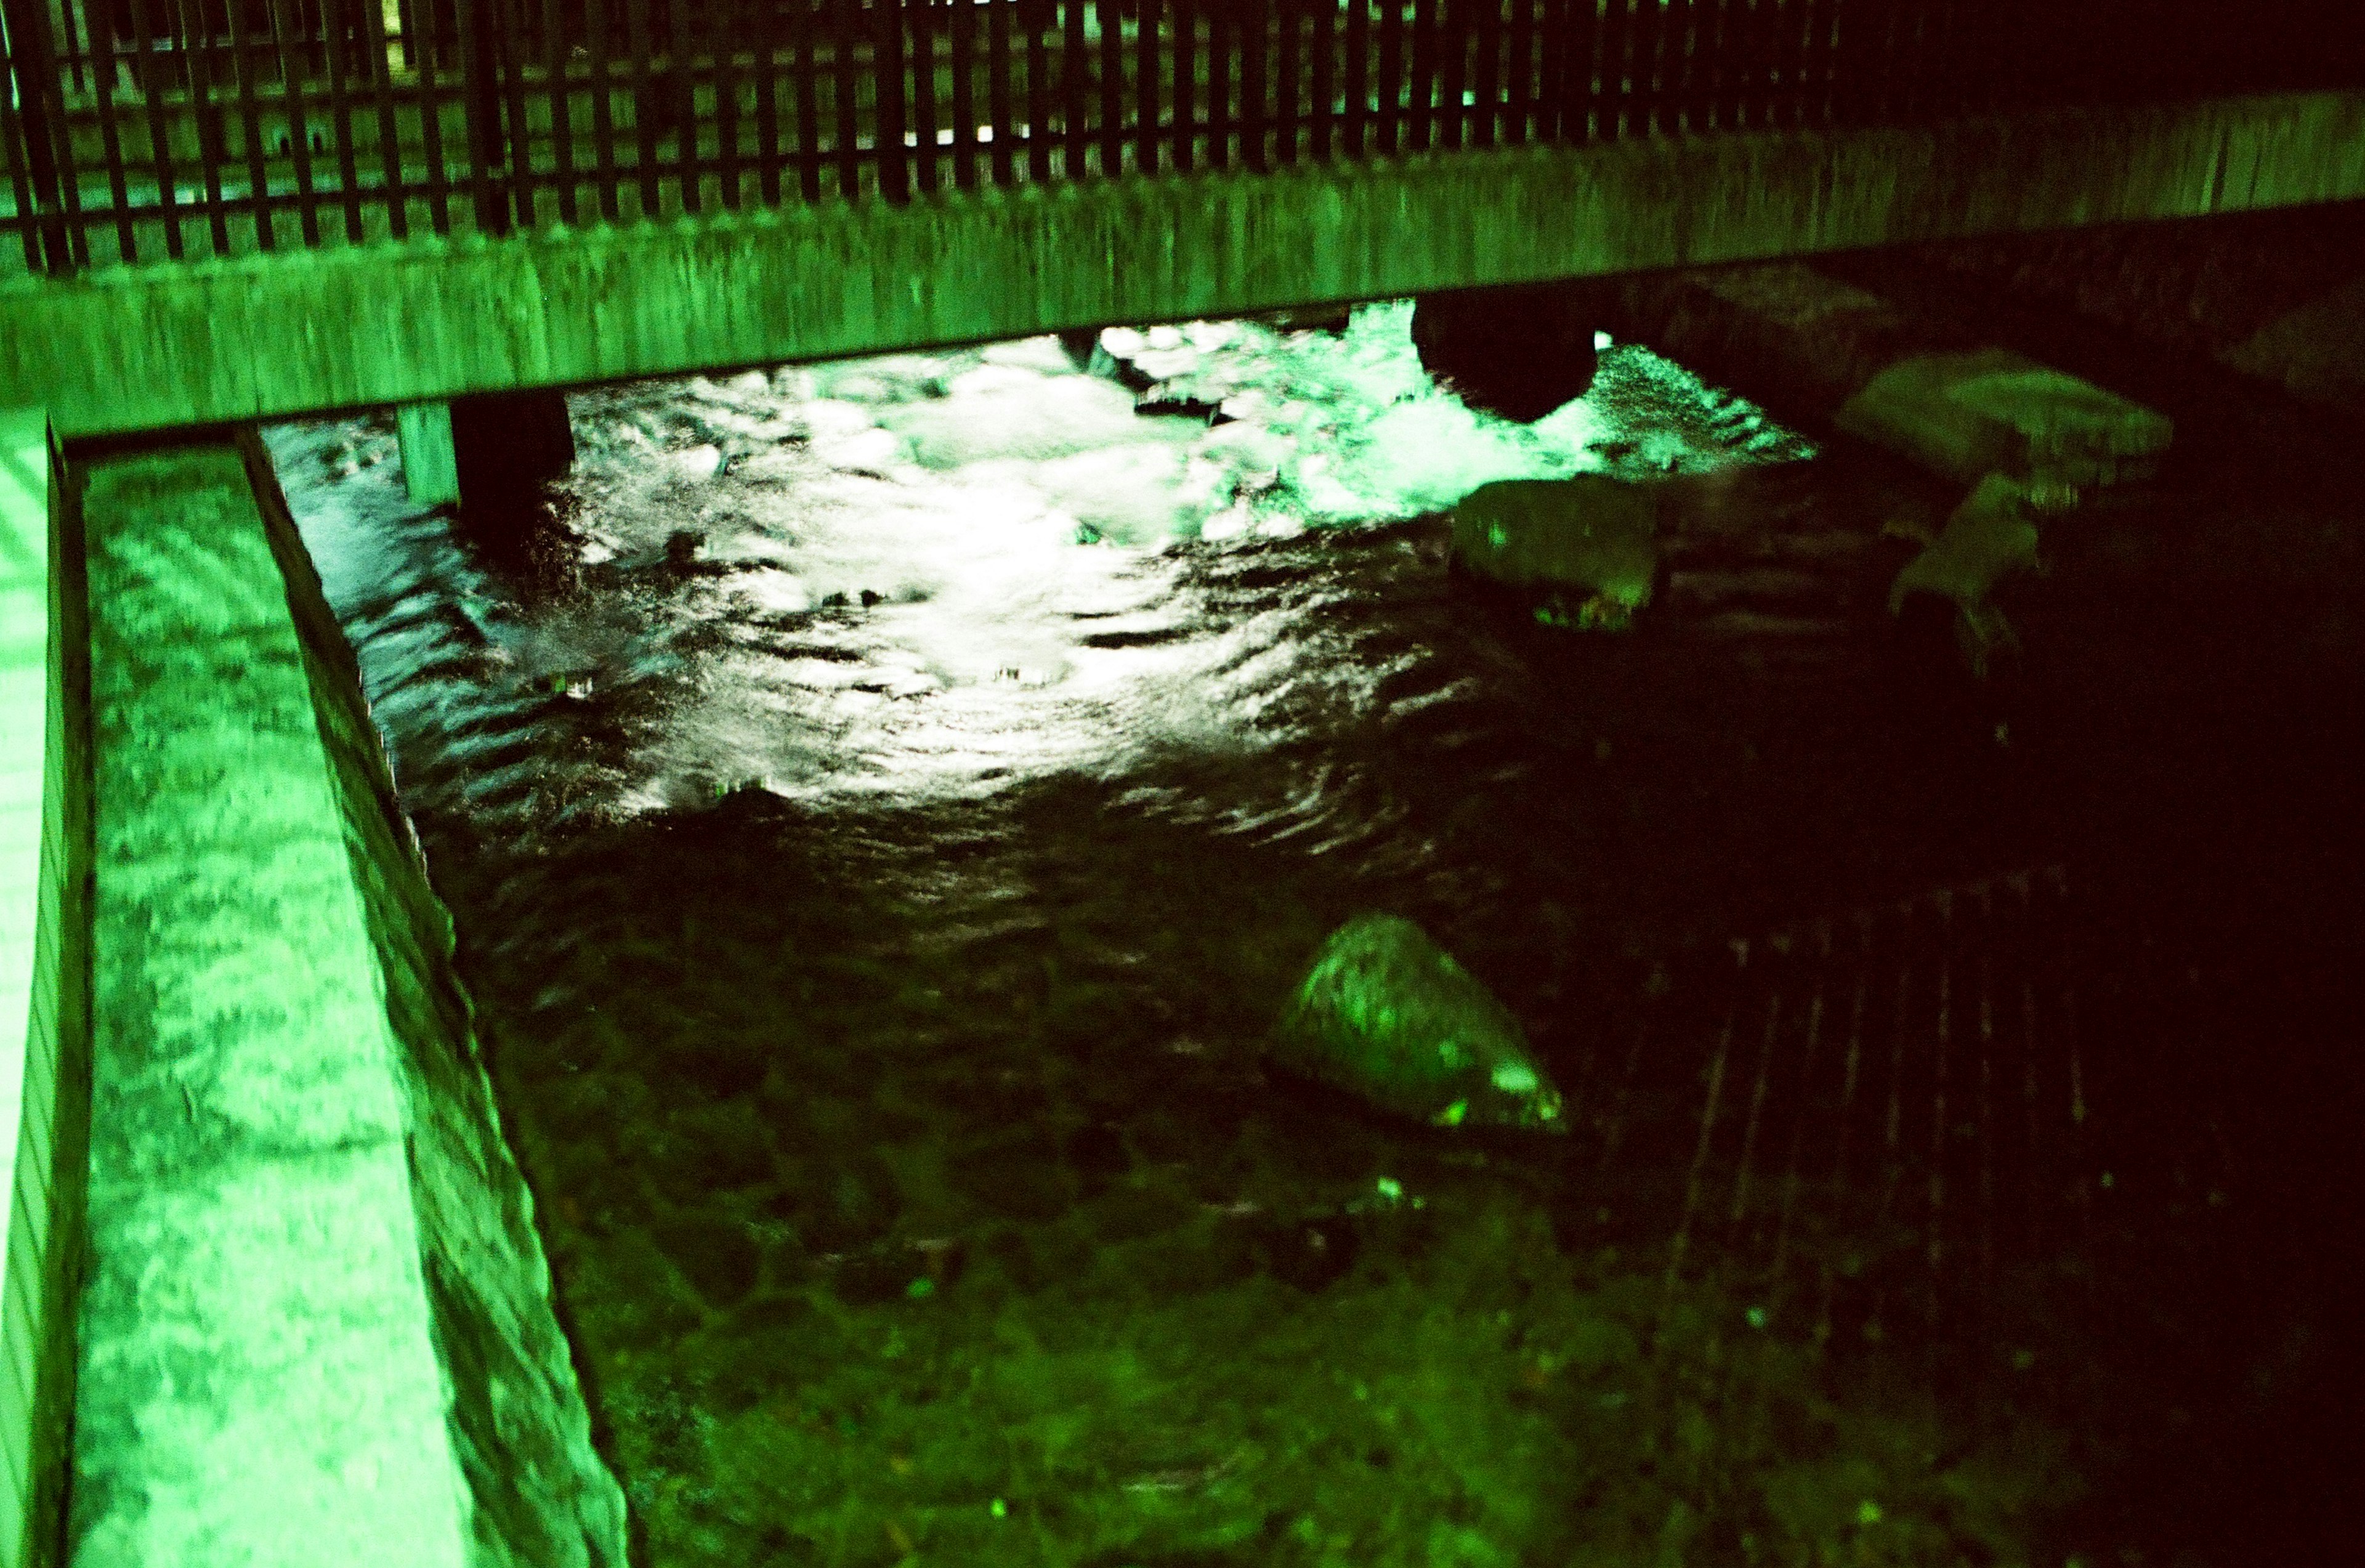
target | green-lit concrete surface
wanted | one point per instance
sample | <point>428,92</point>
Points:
<point>44,980</point>
<point>157,347</point>
<point>316,1323</point>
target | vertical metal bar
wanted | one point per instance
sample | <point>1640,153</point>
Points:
<point>1935,1244</point>
<point>1706,71</point>
<point>681,100</point>
<point>74,55</point>
<point>102,79</point>
<point>1075,96</point>
<point>847,88</point>
<point>764,33</point>
<point>160,130</point>
<point>389,137</point>
<point>1424,74</point>
<point>1486,77</point>
<point>1392,85</point>
<point>887,67</point>
<point>1255,79</point>
<point>596,21</point>
<point>510,25</point>
<point>923,14</point>
<point>1359,77</point>
<point>1222,44</point>
<point>1454,39</point>
<point>1113,83</point>
<point>1156,18</point>
<point>480,109</point>
<point>337,36</point>
<point>1032,16</point>
<point>557,68</point>
<point>429,51</point>
<point>964,55</point>
<point>1651,66</point>
<point>20,183</point>
<point>722,39</point>
<point>1182,91</point>
<point>806,76</point>
<point>645,129</point>
<point>212,148</point>
<point>1614,99</point>
<point>1519,76</point>
<point>250,116</point>
<point>997,77</point>
<point>1322,96</point>
<point>1694,1186</point>
<point>1290,76</point>
<point>300,139</point>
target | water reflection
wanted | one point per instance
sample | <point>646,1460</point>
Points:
<point>884,803</point>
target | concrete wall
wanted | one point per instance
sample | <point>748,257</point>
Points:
<point>44,980</point>
<point>315,1326</point>
<point>140,347</point>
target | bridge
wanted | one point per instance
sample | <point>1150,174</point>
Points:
<point>223,211</point>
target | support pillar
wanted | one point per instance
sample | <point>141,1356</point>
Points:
<point>424,432</point>
<point>506,445</point>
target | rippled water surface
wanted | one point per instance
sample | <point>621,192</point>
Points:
<point>885,803</point>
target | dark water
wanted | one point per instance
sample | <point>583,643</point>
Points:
<point>884,806</point>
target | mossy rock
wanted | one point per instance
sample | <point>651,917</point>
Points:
<point>720,1259</point>
<point>1131,1211</point>
<point>1016,1178</point>
<point>1589,536</point>
<point>1388,1013</point>
<point>838,1205</point>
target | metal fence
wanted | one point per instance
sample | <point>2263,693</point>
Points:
<point>142,131</point>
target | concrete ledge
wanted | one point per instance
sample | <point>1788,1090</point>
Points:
<point>159,347</point>
<point>44,980</point>
<point>315,1326</point>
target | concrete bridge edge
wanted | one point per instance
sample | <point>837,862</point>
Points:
<point>45,865</point>
<point>315,1322</point>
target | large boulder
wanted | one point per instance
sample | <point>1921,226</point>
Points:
<point>1520,351</point>
<point>1588,538</point>
<point>1388,1015</point>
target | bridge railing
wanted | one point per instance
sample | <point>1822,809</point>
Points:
<point>140,131</point>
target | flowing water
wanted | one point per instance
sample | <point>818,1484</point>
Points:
<point>885,803</point>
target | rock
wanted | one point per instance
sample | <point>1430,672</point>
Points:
<point>719,1258</point>
<point>1589,535</point>
<point>1520,351</point>
<point>1990,537</point>
<point>1387,1013</point>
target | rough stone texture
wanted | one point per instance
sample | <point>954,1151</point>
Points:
<point>142,348</point>
<point>1822,351</point>
<point>315,1325</point>
<point>1590,532</point>
<point>1388,1013</point>
<point>44,982</point>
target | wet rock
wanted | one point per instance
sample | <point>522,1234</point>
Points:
<point>1018,1178</point>
<point>1519,352</point>
<point>1991,536</point>
<point>718,1258</point>
<point>704,1150</point>
<point>1311,1255</point>
<point>839,1205</point>
<point>1097,1155</point>
<point>1215,1251</point>
<point>629,1298</point>
<point>774,1345</point>
<point>1589,537</point>
<point>876,1275</point>
<point>1388,1015</point>
<point>1131,1212</point>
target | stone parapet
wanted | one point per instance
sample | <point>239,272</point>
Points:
<point>317,1325</point>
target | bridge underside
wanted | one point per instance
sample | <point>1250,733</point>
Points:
<point>162,347</point>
